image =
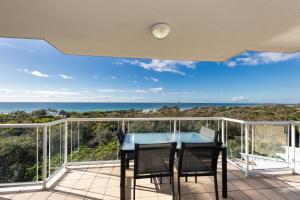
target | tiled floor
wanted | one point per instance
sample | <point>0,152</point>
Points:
<point>102,182</point>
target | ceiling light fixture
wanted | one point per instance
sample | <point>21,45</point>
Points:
<point>161,30</point>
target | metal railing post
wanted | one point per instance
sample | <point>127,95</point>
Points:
<point>78,138</point>
<point>60,143</point>
<point>71,141</point>
<point>123,126</point>
<point>226,132</point>
<point>66,143</point>
<point>242,142</point>
<point>45,158</point>
<point>223,131</point>
<point>175,126</point>
<point>252,139</point>
<point>293,144</point>
<point>128,127</point>
<point>37,154</point>
<point>247,149</point>
<point>49,150</point>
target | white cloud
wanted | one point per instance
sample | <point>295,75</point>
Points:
<point>107,90</point>
<point>118,63</point>
<point>231,64</point>
<point>151,78</point>
<point>20,95</point>
<point>113,77</point>
<point>177,93</point>
<point>261,58</point>
<point>135,82</point>
<point>63,76</point>
<point>163,65</point>
<point>242,99</point>
<point>52,93</point>
<point>99,97</point>
<point>148,90</point>
<point>173,93</point>
<point>5,91</point>
<point>36,73</point>
<point>95,76</point>
<point>158,89</point>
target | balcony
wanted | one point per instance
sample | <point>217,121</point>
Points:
<point>78,158</point>
<point>102,182</point>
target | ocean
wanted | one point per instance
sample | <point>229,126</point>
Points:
<point>6,107</point>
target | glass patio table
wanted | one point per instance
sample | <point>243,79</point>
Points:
<point>152,138</point>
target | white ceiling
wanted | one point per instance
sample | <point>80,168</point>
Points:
<point>212,30</point>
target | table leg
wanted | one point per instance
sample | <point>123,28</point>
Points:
<point>224,172</point>
<point>122,178</point>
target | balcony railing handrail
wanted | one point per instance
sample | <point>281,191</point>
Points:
<point>24,125</point>
<point>234,120</point>
<point>271,122</point>
<point>37,125</point>
<point>53,123</point>
<point>146,119</point>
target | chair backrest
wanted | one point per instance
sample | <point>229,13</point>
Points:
<point>211,134</point>
<point>154,158</point>
<point>198,157</point>
<point>208,133</point>
<point>121,136</point>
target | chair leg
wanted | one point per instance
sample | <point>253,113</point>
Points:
<point>160,182</point>
<point>186,179</point>
<point>179,194</point>
<point>127,164</point>
<point>196,178</point>
<point>216,187</point>
<point>134,183</point>
<point>151,180</point>
<point>172,181</point>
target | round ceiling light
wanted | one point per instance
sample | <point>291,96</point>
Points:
<point>161,30</point>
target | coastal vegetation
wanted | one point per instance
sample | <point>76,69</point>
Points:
<point>90,141</point>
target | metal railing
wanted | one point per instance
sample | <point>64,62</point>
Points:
<point>61,142</point>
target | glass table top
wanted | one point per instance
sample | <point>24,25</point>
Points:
<point>152,138</point>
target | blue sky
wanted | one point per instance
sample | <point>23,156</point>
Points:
<point>33,70</point>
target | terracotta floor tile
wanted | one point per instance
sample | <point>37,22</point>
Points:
<point>241,185</point>
<point>22,196</point>
<point>203,196</point>
<point>188,197</point>
<point>272,194</point>
<point>254,195</point>
<point>41,195</point>
<point>238,195</point>
<point>255,183</point>
<point>288,194</point>
<point>270,183</point>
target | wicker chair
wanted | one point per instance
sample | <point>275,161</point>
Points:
<point>198,159</point>
<point>154,160</point>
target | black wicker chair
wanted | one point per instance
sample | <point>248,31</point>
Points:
<point>154,160</point>
<point>198,159</point>
<point>129,156</point>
